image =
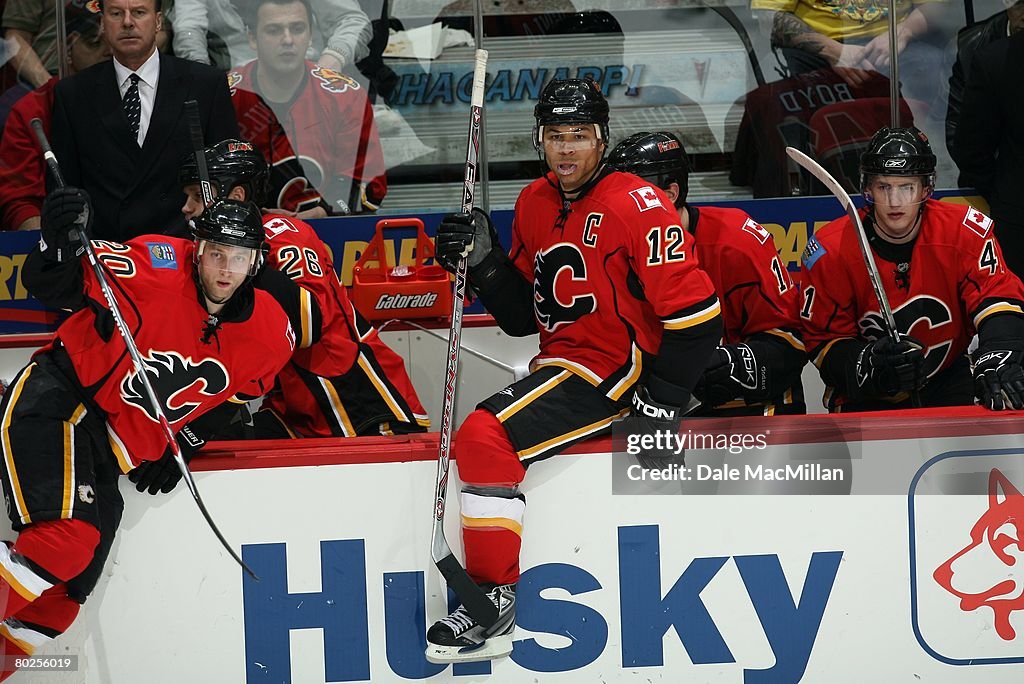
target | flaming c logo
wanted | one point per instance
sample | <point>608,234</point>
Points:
<point>181,384</point>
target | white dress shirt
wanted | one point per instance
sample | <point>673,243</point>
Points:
<point>149,77</point>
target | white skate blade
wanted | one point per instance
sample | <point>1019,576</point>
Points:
<point>494,647</point>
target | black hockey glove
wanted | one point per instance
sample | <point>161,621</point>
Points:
<point>734,372</point>
<point>163,474</point>
<point>999,379</point>
<point>885,369</point>
<point>464,235</point>
<point>656,423</point>
<point>66,212</point>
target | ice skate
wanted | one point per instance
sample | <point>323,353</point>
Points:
<point>458,638</point>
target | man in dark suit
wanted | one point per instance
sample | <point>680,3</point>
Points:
<point>989,146</point>
<point>120,129</point>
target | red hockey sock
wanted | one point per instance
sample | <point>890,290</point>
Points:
<point>492,553</point>
<point>36,625</point>
<point>45,554</point>
<point>9,650</point>
<point>492,511</point>
<point>485,454</point>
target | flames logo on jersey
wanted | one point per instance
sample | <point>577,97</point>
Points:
<point>333,81</point>
<point>921,318</point>
<point>551,287</point>
<point>294,182</point>
<point>180,383</point>
<point>234,78</point>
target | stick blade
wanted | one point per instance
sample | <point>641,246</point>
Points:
<point>477,603</point>
<point>816,170</point>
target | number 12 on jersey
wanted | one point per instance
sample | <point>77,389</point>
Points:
<point>666,245</point>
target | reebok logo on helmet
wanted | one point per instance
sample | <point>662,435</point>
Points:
<point>894,163</point>
<point>563,110</point>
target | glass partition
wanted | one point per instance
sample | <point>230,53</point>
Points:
<point>362,105</point>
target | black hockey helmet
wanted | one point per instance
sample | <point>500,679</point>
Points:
<point>898,152</point>
<point>571,101</point>
<point>233,223</point>
<point>659,157</point>
<point>230,163</point>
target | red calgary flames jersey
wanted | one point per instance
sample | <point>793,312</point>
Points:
<point>296,250</point>
<point>153,282</point>
<point>754,287</point>
<point>316,144</point>
<point>609,277</point>
<point>956,279</point>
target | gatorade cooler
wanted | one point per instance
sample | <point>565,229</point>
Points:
<point>381,290</point>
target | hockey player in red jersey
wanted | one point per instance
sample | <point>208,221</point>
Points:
<point>756,370</point>
<point>600,267</point>
<point>942,270</point>
<point>314,125</point>
<point>349,382</point>
<point>77,416</point>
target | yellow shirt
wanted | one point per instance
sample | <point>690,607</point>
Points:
<point>841,19</point>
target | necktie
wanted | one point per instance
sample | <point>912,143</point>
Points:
<point>133,105</point>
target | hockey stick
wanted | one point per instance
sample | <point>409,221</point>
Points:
<point>862,238</point>
<point>195,129</point>
<point>133,351</point>
<point>734,22</point>
<point>477,603</point>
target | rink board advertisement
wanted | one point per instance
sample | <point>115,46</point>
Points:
<point>920,585</point>
<point>790,221</point>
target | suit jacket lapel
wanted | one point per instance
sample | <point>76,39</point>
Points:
<point>111,109</point>
<point>170,93</point>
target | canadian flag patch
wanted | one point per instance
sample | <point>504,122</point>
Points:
<point>977,222</point>
<point>757,230</point>
<point>645,198</point>
<point>278,225</point>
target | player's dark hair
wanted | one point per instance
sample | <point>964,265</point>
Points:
<point>254,11</point>
<point>658,157</point>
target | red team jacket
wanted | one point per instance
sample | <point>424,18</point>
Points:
<point>957,279</point>
<point>22,173</point>
<point>621,240</point>
<point>297,251</point>
<point>154,286</point>
<point>326,138</point>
